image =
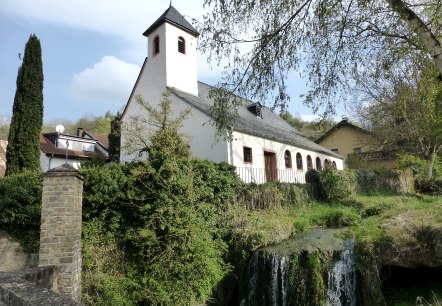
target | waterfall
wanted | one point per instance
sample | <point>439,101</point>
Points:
<point>314,268</point>
<point>267,284</point>
<point>341,284</point>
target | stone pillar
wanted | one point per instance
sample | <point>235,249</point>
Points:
<point>60,231</point>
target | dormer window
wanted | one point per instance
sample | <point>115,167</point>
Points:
<point>156,45</point>
<point>255,109</point>
<point>181,45</point>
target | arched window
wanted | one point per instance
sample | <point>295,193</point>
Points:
<point>309,162</point>
<point>156,45</point>
<point>181,45</point>
<point>318,164</point>
<point>334,165</point>
<point>288,159</point>
<point>299,161</point>
<point>327,164</point>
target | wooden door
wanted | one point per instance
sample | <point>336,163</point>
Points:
<point>270,166</point>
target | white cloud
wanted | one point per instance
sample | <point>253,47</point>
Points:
<point>109,81</point>
<point>126,19</point>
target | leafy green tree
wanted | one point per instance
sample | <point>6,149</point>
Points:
<point>406,113</point>
<point>310,129</point>
<point>97,124</point>
<point>4,131</point>
<point>340,43</point>
<point>156,132</point>
<point>23,151</point>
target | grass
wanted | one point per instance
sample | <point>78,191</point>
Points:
<point>371,218</point>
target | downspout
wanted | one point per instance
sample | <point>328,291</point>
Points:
<point>50,159</point>
<point>230,141</point>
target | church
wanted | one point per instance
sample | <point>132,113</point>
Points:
<point>263,147</point>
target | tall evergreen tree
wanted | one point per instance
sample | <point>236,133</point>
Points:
<point>23,151</point>
<point>114,139</point>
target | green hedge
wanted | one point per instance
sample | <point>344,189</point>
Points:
<point>20,208</point>
<point>331,185</point>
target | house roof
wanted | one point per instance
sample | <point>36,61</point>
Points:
<point>3,145</point>
<point>102,139</point>
<point>270,126</point>
<point>172,16</point>
<point>342,123</point>
<point>47,147</point>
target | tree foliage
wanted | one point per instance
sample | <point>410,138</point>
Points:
<point>340,43</point>
<point>406,113</point>
<point>156,131</point>
<point>310,129</point>
<point>114,139</point>
<point>23,151</point>
<point>97,124</point>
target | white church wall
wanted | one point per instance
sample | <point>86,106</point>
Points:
<point>255,171</point>
<point>181,69</point>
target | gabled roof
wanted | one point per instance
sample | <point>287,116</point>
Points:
<point>172,16</point>
<point>342,123</point>
<point>270,126</point>
<point>102,139</point>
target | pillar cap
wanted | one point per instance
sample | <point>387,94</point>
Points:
<point>63,170</point>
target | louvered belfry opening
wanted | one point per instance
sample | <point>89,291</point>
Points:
<point>181,45</point>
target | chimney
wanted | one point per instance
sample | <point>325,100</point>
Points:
<point>80,131</point>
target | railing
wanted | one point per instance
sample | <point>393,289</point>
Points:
<point>258,176</point>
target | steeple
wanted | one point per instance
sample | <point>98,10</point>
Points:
<point>172,16</point>
<point>172,52</point>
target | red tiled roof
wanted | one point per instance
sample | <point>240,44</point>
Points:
<point>102,139</point>
<point>3,145</point>
<point>49,148</point>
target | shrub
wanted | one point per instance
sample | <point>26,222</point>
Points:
<point>331,185</point>
<point>367,180</point>
<point>271,195</point>
<point>20,207</point>
<point>164,221</point>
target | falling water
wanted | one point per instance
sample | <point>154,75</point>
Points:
<point>284,274</point>
<point>267,280</point>
<point>341,284</point>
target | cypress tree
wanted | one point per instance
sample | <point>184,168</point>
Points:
<point>23,151</point>
<point>114,139</point>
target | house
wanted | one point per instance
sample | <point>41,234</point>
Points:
<point>58,149</point>
<point>263,146</point>
<point>360,147</point>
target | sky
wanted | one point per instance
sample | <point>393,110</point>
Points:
<point>92,53</point>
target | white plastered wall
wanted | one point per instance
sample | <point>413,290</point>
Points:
<point>47,162</point>
<point>259,145</point>
<point>167,68</point>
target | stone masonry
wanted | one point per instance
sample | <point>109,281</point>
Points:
<point>60,232</point>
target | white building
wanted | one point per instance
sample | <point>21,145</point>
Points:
<point>58,149</point>
<point>264,147</point>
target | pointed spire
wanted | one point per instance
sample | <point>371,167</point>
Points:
<point>172,16</point>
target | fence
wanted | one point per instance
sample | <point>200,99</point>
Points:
<point>258,176</point>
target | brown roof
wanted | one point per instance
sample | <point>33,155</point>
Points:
<point>3,145</point>
<point>49,148</point>
<point>102,139</point>
<point>343,122</point>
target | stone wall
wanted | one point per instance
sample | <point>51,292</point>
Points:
<point>12,257</point>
